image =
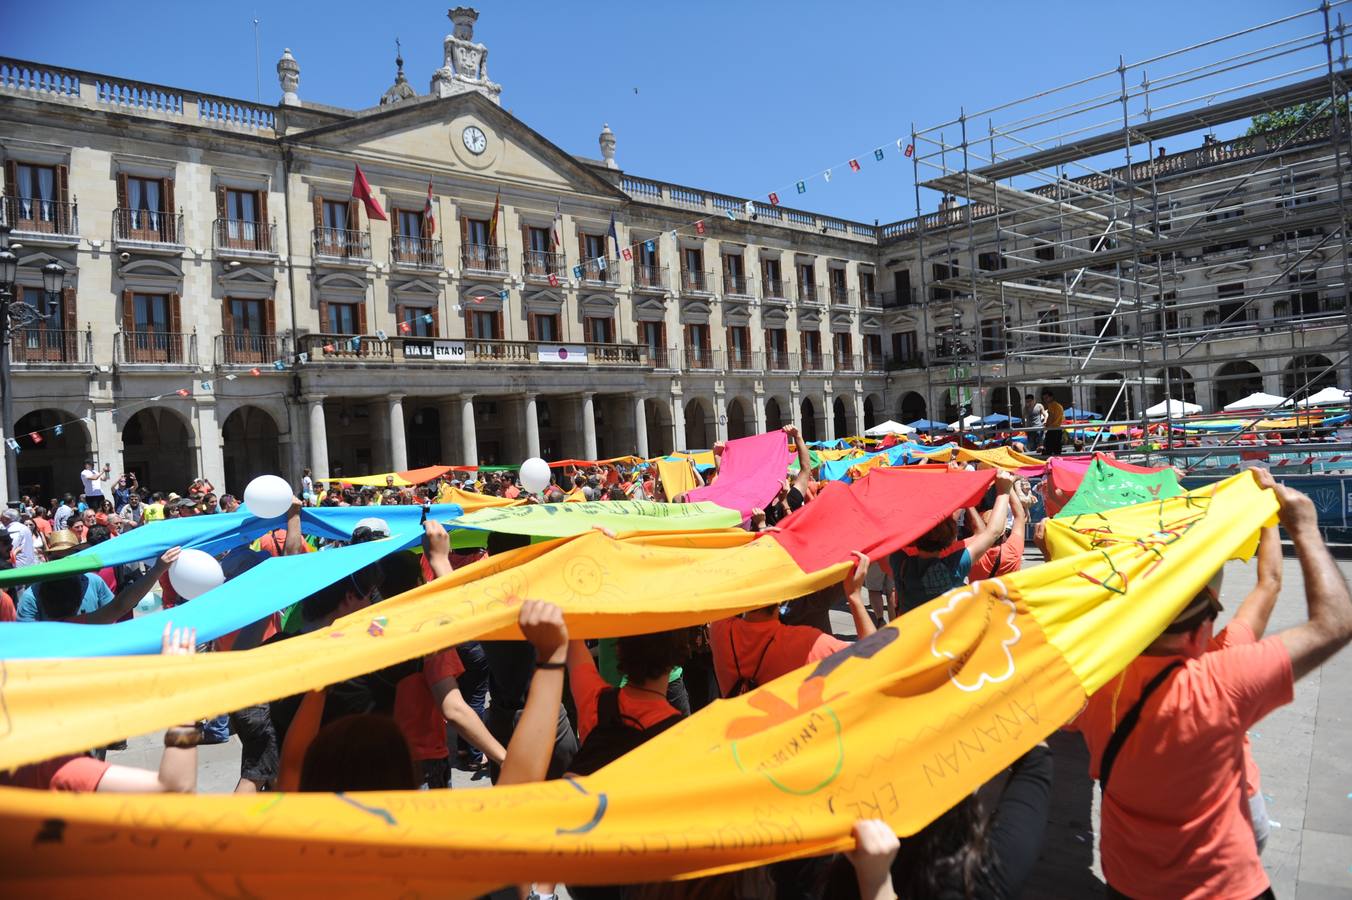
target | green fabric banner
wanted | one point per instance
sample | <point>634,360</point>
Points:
<point>1106,487</point>
<point>554,520</point>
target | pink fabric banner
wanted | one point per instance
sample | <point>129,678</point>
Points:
<point>750,474</point>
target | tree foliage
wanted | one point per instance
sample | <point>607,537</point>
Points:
<point>1293,116</point>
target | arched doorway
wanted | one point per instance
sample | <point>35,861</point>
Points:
<point>912,407</point>
<point>1306,375</point>
<point>740,421</point>
<point>774,416</point>
<point>348,426</point>
<point>52,468</point>
<point>251,448</point>
<point>1235,381</point>
<point>657,415</point>
<point>157,447</point>
<point>1005,401</point>
<point>698,434</point>
<point>1105,400</point>
<point>809,419</point>
<point>422,437</point>
<point>843,421</point>
<point>1179,385</point>
<point>871,406</point>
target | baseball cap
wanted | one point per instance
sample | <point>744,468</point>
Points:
<point>372,528</point>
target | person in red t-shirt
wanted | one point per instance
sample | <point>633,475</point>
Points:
<point>1006,556</point>
<point>757,647</point>
<point>1176,817</point>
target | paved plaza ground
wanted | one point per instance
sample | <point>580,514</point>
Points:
<point>1304,751</point>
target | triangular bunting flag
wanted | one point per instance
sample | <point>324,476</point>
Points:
<point>427,317</point>
<point>405,327</point>
<point>750,207</point>
<point>732,215</point>
<point>328,348</point>
<point>381,335</point>
<point>502,295</point>
<point>280,365</point>
<point>206,385</point>
<point>827,175</point>
<point>649,246</point>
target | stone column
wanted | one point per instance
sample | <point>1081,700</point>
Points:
<point>759,402</point>
<point>828,417</point>
<point>319,438</point>
<point>677,422</point>
<point>796,407</point>
<point>859,423</point>
<point>449,410</point>
<point>720,417</point>
<point>469,440</point>
<point>588,426</point>
<point>532,426</point>
<point>212,459</point>
<point>640,427</point>
<point>106,439</point>
<point>398,439</point>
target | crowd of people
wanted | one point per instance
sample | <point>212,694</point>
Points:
<point>1183,815</point>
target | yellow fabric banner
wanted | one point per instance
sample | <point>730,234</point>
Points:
<point>677,476</point>
<point>470,501</point>
<point>995,457</point>
<point>900,726</point>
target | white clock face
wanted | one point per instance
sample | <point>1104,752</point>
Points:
<point>475,141</point>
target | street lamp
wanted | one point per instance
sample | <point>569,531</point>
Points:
<point>15,316</point>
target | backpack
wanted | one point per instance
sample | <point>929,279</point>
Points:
<point>615,735</point>
<point>746,683</point>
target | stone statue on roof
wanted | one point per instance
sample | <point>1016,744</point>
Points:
<point>465,65</point>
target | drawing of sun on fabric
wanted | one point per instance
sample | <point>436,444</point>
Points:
<point>977,645</point>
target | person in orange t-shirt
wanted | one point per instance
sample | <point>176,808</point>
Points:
<point>1177,818</point>
<point>756,647</point>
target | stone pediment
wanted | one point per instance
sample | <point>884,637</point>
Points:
<point>465,133</point>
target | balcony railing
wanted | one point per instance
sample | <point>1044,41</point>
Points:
<point>813,362</point>
<point>155,348</point>
<point>348,348</point>
<point>840,294</point>
<point>659,357</point>
<point>781,361</point>
<point>416,252</point>
<point>484,258</point>
<point>736,285</point>
<point>874,362</point>
<point>872,299</point>
<point>593,273</point>
<point>342,244</point>
<point>244,237</point>
<point>250,349</point>
<point>742,360</point>
<point>650,278</point>
<point>40,346</point>
<point>540,264</point>
<point>807,292</point>
<point>773,289</point>
<point>693,282</point>
<point>147,227</point>
<point>844,362</point>
<point>699,358</point>
<point>36,218</point>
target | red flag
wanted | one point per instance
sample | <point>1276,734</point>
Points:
<point>255,372</point>
<point>774,199</point>
<point>405,327</point>
<point>627,253</point>
<point>182,392</point>
<point>699,227</point>
<point>361,190</point>
<point>429,213</point>
<point>553,280</point>
<point>910,148</point>
<point>37,438</point>
<point>854,164</point>
<point>328,348</point>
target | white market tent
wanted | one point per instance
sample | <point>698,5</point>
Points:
<point>969,422</point>
<point>1173,409</point>
<point>1329,396</point>
<point>1259,400</point>
<point>888,427</point>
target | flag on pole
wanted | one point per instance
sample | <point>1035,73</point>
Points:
<point>556,234</point>
<point>774,198</point>
<point>854,165</point>
<point>699,227</point>
<point>361,190</point>
<point>493,222</point>
<point>878,154</point>
<point>613,234</point>
<point>429,213</point>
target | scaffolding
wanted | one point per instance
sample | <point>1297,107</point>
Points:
<point>1071,249</point>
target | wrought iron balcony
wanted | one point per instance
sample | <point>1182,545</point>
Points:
<point>593,273</point>
<point>250,349</point>
<point>773,289</point>
<point>242,237</point>
<point>736,284</point>
<point>416,252</point>
<point>781,361</point>
<point>342,244</point>
<point>699,358</point>
<point>650,278</point>
<point>147,228</point>
<point>540,264</point>
<point>840,294</point>
<point>695,282</point>
<point>155,348</point>
<point>807,292</point>
<point>35,347</point>
<point>38,220</point>
<point>484,258</point>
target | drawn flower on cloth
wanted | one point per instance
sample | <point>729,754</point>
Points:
<point>508,590</point>
<point>776,710</point>
<point>975,631</point>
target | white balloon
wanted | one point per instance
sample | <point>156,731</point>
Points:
<point>194,573</point>
<point>535,474</point>
<point>268,496</point>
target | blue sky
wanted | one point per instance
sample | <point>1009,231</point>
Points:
<point>738,97</point>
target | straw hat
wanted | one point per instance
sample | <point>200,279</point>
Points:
<point>62,541</point>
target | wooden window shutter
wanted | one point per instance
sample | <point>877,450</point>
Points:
<point>582,246</point>
<point>63,183</point>
<point>323,316</point>
<point>122,191</point>
<point>530,326</point>
<point>436,321</point>
<point>270,317</point>
<point>319,211</point>
<point>464,231</point>
<point>502,331</point>
<point>263,206</point>
<point>128,312</point>
<point>175,316</point>
<point>227,316</point>
<point>70,339</point>
<point>361,317</point>
<point>354,215</point>
<point>400,316</point>
<point>705,333</point>
<point>220,202</point>
<point>167,196</point>
<point>11,178</point>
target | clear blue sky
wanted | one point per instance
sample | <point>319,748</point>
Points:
<point>739,97</point>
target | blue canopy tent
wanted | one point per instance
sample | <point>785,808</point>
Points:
<point>1001,419</point>
<point>1073,413</point>
<point>927,425</point>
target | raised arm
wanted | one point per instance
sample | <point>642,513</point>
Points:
<point>437,548</point>
<point>532,743</point>
<point>854,593</point>
<point>295,541</point>
<point>804,476</point>
<point>132,594</point>
<point>465,720</point>
<point>1257,607</point>
<point>1330,605</point>
<point>995,520</point>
